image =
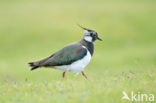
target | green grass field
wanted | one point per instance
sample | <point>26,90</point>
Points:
<point>124,61</point>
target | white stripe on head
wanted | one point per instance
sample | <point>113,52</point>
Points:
<point>86,32</point>
<point>88,38</point>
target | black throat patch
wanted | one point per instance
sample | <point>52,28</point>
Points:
<point>88,45</point>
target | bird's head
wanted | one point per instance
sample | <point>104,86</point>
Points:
<point>90,35</point>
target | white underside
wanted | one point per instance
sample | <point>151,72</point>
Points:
<point>77,66</point>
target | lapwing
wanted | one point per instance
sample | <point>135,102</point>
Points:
<point>73,57</point>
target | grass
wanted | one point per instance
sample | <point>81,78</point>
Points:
<point>124,61</point>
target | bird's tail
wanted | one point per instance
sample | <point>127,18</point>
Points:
<point>39,63</point>
<point>33,65</point>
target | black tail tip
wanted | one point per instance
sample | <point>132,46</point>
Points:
<point>31,64</point>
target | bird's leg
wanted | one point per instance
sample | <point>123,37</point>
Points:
<point>63,74</point>
<point>84,74</point>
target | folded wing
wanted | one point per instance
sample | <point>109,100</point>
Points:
<point>66,56</point>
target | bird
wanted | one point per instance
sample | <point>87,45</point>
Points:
<point>73,57</point>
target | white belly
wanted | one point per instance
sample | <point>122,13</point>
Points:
<point>77,66</point>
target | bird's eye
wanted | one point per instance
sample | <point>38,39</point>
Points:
<point>91,34</point>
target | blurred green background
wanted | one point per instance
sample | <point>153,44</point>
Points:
<point>124,60</point>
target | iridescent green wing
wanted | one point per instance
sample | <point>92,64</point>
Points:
<point>66,55</point>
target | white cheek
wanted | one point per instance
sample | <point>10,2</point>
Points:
<point>88,38</point>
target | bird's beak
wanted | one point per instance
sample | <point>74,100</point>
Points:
<point>99,38</point>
